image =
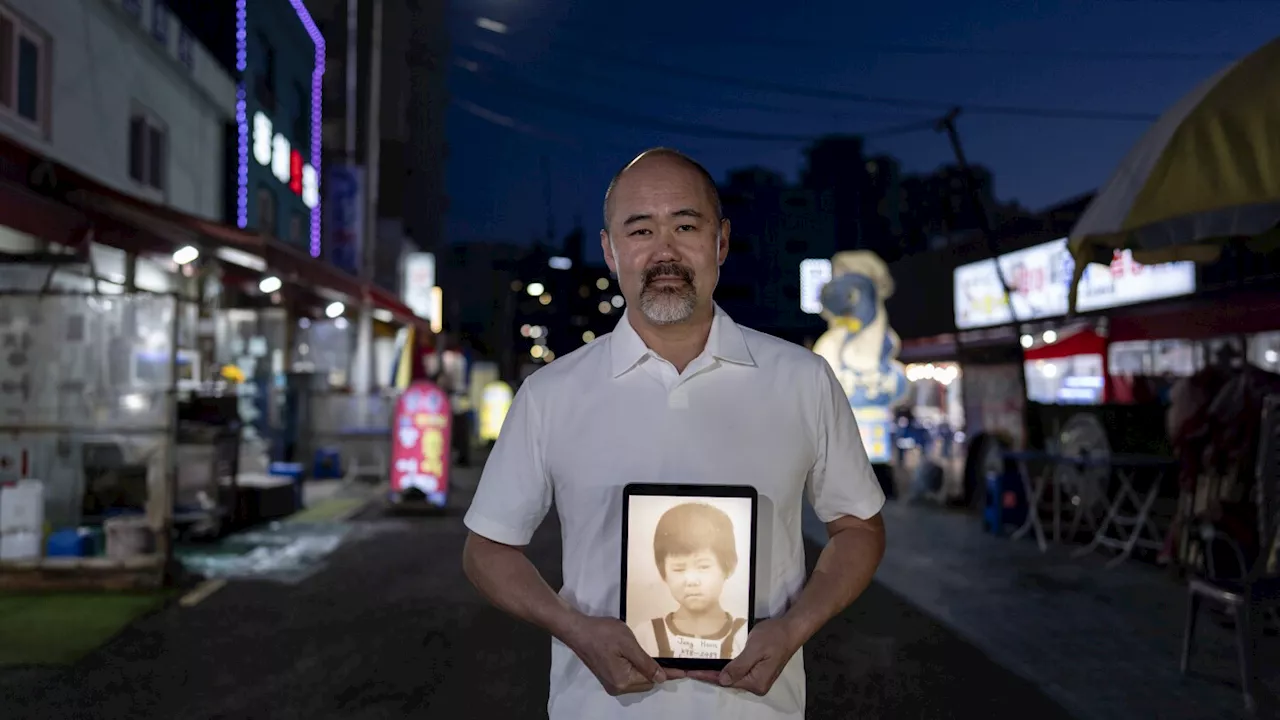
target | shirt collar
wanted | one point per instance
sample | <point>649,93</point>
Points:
<point>725,342</point>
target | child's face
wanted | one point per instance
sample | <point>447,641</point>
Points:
<point>695,580</point>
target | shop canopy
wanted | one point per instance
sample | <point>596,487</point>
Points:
<point>275,256</point>
<point>47,199</point>
<point>1207,172</point>
<point>1080,342</point>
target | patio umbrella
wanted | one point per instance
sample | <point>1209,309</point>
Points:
<point>1207,172</point>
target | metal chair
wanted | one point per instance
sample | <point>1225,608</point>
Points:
<point>1253,595</point>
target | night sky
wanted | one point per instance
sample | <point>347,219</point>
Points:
<point>588,84</point>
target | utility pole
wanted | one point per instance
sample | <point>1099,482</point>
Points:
<point>353,80</point>
<point>363,380</point>
<point>947,124</point>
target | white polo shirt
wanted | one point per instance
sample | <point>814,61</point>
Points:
<point>750,410</point>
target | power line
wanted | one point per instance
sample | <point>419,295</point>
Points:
<point>593,74</point>
<point>887,101</point>
<point>911,49</point>
<point>556,100</point>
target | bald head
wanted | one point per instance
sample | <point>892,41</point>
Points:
<point>662,154</point>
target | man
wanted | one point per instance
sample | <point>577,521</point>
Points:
<point>678,393</point>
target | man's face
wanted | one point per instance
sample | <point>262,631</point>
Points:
<point>696,580</point>
<point>664,240</point>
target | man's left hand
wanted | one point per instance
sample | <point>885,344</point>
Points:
<point>769,647</point>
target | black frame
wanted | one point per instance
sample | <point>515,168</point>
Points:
<point>704,491</point>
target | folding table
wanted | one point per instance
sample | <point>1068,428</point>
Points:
<point>1141,530</point>
<point>1049,478</point>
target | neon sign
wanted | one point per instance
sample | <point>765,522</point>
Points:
<point>307,183</point>
<point>271,149</point>
<point>421,439</point>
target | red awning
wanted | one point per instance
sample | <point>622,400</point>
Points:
<point>1082,342</point>
<point>40,217</point>
<point>137,225</point>
<point>1200,318</point>
<point>387,301</point>
<point>289,263</point>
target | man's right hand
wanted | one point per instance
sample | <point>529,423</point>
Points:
<point>609,649</point>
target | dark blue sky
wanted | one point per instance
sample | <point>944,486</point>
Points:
<point>576,79</point>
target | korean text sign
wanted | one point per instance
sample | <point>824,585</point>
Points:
<point>420,449</point>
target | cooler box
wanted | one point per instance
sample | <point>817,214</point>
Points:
<point>292,471</point>
<point>1006,502</point>
<point>71,542</point>
<point>327,464</point>
<point>21,520</point>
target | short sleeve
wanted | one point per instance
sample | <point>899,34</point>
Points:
<point>515,488</point>
<point>841,481</point>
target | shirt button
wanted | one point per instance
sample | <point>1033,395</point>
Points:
<point>678,399</point>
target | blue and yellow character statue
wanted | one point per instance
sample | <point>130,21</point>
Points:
<point>860,345</point>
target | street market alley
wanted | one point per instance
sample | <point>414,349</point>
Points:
<point>391,629</point>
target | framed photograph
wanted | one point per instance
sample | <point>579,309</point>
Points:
<point>689,571</point>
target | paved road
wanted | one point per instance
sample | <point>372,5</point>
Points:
<point>391,629</point>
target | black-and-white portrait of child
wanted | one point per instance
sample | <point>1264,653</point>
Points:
<point>688,568</point>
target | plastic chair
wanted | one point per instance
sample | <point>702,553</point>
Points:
<point>1252,597</point>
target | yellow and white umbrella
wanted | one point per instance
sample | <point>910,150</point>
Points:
<point>1207,171</point>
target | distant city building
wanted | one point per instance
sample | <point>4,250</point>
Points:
<point>774,228</point>
<point>525,306</point>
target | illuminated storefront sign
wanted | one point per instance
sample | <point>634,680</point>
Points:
<point>814,273</point>
<point>1040,278</point>
<point>273,149</point>
<point>420,446</point>
<point>861,347</point>
<point>495,401</point>
<point>419,284</point>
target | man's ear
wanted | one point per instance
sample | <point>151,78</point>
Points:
<point>606,246</point>
<point>722,241</point>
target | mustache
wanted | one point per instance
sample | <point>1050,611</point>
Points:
<point>668,270</point>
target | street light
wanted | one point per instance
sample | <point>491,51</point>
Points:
<point>535,289</point>
<point>270,284</point>
<point>185,254</point>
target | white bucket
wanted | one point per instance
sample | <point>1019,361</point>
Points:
<point>129,537</point>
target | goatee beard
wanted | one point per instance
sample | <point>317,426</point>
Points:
<point>668,304</point>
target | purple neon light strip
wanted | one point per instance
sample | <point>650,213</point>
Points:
<point>242,117</point>
<point>317,105</point>
<point>317,90</point>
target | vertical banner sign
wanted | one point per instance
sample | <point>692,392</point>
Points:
<point>495,401</point>
<point>418,283</point>
<point>346,211</point>
<point>861,347</point>
<point>420,449</point>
